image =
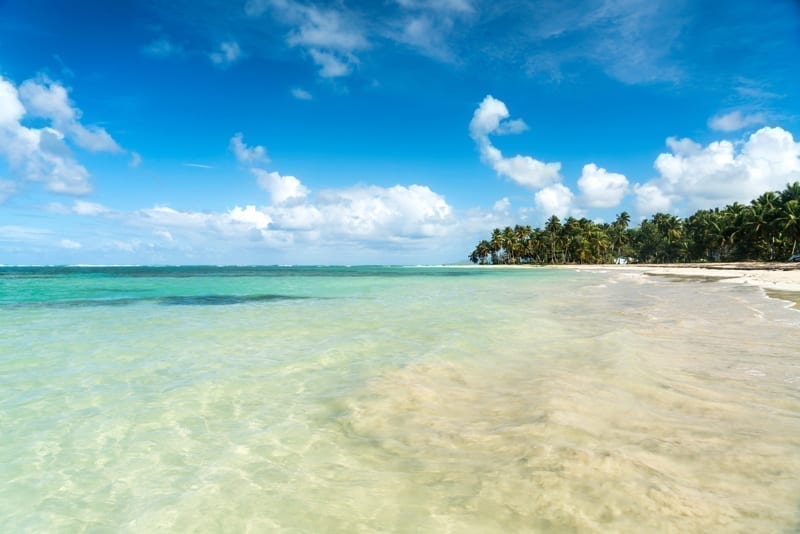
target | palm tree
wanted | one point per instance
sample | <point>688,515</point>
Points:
<point>759,217</point>
<point>510,245</point>
<point>623,220</point>
<point>495,244</point>
<point>765,229</point>
<point>792,192</point>
<point>553,228</point>
<point>789,222</point>
<point>618,234</point>
<point>482,250</point>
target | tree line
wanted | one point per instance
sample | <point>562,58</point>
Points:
<point>766,229</point>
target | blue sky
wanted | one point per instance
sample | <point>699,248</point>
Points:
<point>392,131</point>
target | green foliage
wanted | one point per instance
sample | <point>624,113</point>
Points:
<point>768,229</point>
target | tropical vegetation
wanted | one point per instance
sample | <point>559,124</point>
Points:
<point>766,229</point>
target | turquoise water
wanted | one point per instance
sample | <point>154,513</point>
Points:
<point>309,399</point>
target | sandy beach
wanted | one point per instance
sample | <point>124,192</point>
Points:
<point>770,276</point>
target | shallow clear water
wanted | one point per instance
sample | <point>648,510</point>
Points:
<point>394,399</point>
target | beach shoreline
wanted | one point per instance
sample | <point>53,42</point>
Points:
<point>777,280</point>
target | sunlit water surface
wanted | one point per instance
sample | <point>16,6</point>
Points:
<point>394,400</point>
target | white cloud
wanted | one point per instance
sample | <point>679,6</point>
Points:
<point>37,154</point>
<point>323,28</point>
<point>50,100</point>
<point>428,26</point>
<point>491,117</point>
<point>555,199</point>
<point>364,214</point>
<point>600,188</point>
<point>251,216</point>
<point>385,213</point>
<point>507,127</point>
<point>427,33</point>
<point>11,109</point>
<point>359,215</point>
<point>227,53</point>
<point>301,94</point>
<point>166,216</point>
<point>330,36</point>
<point>723,172</point>
<point>135,161</point>
<point>735,120</point>
<point>162,47</point>
<point>331,65</point>
<point>502,205</point>
<point>247,154</point>
<point>298,216</point>
<point>487,117</point>
<point>82,207</point>
<point>650,199</point>
<point>69,244</point>
<point>280,188</point>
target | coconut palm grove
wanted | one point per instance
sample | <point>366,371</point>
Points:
<point>766,229</point>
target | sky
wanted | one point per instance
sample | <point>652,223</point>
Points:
<point>381,131</point>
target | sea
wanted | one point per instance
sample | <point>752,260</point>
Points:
<point>394,399</point>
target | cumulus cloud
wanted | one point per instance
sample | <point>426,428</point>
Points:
<point>735,120</point>
<point>251,216</point>
<point>49,100</point>
<point>247,223</point>
<point>358,218</point>
<point>42,153</point>
<point>37,154</point>
<point>385,213</point>
<point>491,117</point>
<point>555,199</point>
<point>11,108</point>
<point>280,188</point>
<point>247,154</point>
<point>651,199</point>
<point>722,172</point>
<point>227,53</point>
<point>600,188</point>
